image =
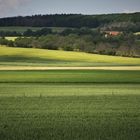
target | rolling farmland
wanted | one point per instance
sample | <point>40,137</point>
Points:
<point>67,75</point>
<point>72,104</point>
<point>38,57</point>
<point>62,104</point>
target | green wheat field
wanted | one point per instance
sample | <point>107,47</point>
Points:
<point>68,104</point>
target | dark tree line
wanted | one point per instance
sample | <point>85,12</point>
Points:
<point>69,20</point>
<point>9,33</point>
<point>27,33</point>
<point>46,31</point>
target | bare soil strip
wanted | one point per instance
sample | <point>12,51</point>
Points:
<point>69,68</point>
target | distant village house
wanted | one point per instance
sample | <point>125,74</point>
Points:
<point>112,33</point>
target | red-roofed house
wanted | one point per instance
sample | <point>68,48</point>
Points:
<point>112,33</point>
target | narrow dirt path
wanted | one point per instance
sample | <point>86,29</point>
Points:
<point>69,68</point>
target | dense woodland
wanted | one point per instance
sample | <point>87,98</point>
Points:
<point>108,21</point>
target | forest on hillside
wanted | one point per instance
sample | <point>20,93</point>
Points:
<point>129,22</point>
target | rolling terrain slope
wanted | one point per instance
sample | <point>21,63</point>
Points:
<point>38,57</point>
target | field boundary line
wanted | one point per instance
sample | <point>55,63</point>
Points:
<point>69,68</point>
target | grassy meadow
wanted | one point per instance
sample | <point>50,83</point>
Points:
<point>137,33</point>
<point>70,117</point>
<point>70,76</point>
<point>76,105</point>
<point>79,118</point>
<point>43,90</point>
<point>68,104</point>
<point>40,57</point>
<point>11,38</point>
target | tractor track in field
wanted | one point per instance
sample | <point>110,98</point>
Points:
<point>69,68</point>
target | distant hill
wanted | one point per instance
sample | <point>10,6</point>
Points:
<point>74,20</point>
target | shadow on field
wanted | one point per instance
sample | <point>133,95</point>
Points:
<point>20,58</point>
